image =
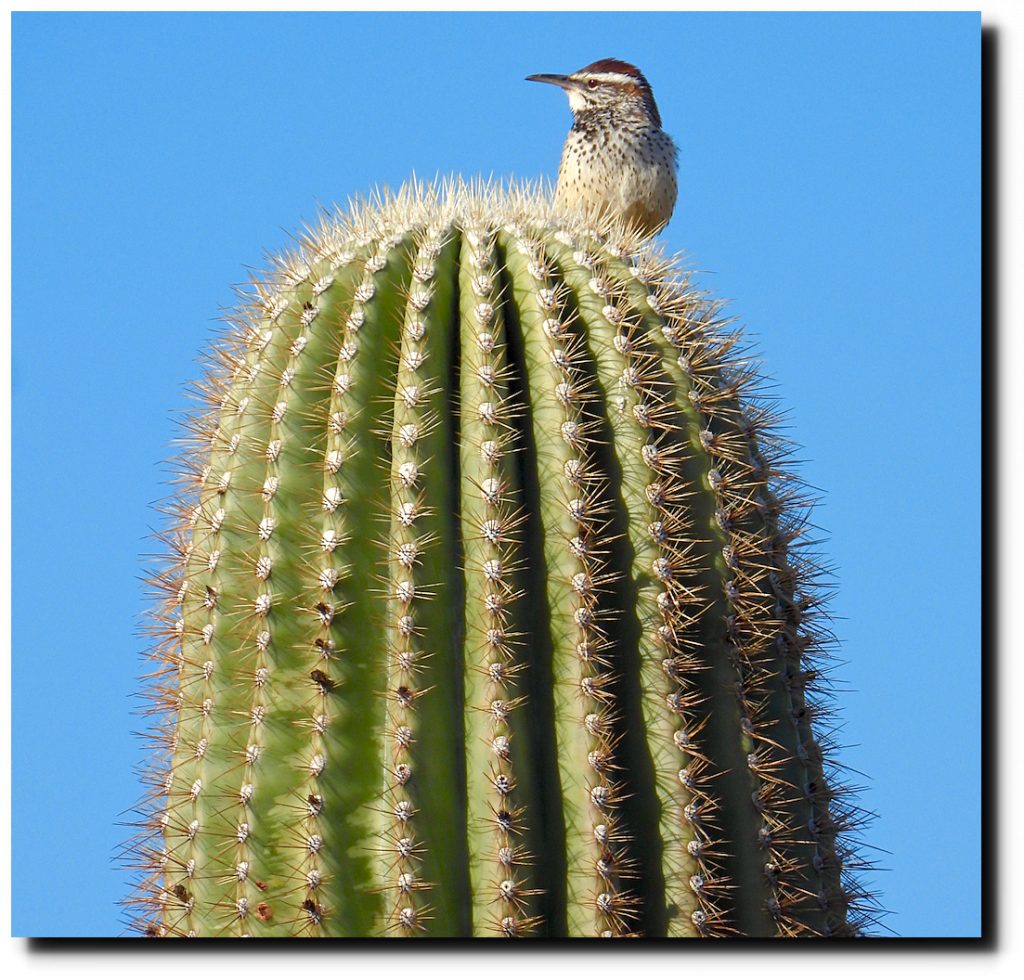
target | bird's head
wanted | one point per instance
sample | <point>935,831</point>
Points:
<point>606,84</point>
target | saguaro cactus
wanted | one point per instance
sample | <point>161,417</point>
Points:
<point>487,608</point>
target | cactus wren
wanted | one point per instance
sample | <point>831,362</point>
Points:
<point>616,158</point>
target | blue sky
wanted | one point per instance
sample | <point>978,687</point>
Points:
<point>830,186</point>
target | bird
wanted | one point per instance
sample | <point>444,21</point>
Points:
<point>617,160</point>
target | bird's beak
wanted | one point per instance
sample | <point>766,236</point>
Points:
<point>562,81</point>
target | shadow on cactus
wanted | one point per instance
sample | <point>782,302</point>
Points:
<point>487,606</point>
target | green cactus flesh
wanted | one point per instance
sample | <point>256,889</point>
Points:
<point>488,608</point>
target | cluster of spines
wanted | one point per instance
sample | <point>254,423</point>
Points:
<point>491,522</point>
<point>296,576</point>
<point>694,880</point>
<point>146,851</point>
<point>220,523</point>
<point>645,434</point>
<point>579,577</point>
<point>415,417</point>
<point>676,643</point>
<point>279,392</point>
<point>728,434</point>
<point>765,645</point>
<point>232,633</point>
<point>312,596</point>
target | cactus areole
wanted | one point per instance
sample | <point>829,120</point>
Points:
<point>487,608</point>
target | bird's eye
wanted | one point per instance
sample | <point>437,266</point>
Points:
<point>592,84</point>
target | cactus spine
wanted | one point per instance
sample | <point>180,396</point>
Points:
<point>487,608</point>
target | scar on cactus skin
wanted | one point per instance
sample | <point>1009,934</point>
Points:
<point>488,604</point>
